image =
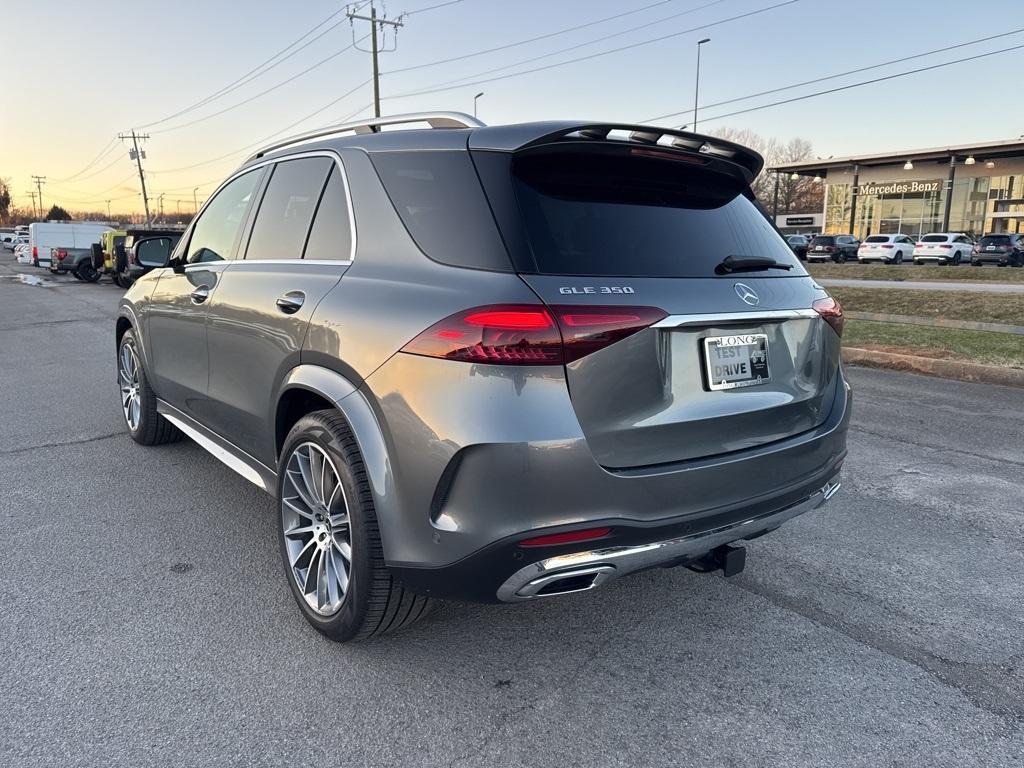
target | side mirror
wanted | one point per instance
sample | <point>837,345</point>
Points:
<point>153,252</point>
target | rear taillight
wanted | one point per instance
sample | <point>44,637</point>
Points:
<point>887,246</point>
<point>35,251</point>
<point>61,254</point>
<point>830,248</point>
<point>569,537</point>
<point>831,311</point>
<point>529,334</point>
<point>945,245</point>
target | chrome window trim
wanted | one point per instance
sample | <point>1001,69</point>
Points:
<point>329,153</point>
<point>733,318</point>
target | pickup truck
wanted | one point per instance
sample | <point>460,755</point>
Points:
<point>77,261</point>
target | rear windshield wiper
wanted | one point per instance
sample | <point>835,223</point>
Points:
<point>749,264</point>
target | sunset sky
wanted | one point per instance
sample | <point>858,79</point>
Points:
<point>80,73</point>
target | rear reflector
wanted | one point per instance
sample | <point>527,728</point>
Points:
<point>831,311</point>
<point>530,334</point>
<point>569,537</point>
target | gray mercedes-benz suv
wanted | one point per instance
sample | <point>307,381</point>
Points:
<point>497,363</point>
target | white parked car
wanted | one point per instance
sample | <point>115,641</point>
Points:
<point>943,248</point>
<point>892,249</point>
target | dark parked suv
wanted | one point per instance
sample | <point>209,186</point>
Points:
<point>494,363</point>
<point>837,248</point>
<point>1003,250</point>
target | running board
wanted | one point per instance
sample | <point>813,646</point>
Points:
<point>231,456</point>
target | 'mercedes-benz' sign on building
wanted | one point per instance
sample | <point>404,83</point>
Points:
<point>899,187</point>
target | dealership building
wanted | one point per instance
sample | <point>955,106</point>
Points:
<point>973,188</point>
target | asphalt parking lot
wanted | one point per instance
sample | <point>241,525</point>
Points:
<point>145,619</point>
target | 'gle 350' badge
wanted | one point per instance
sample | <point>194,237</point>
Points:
<point>604,289</point>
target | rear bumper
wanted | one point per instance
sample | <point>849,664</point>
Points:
<point>994,258</point>
<point>591,568</point>
<point>659,516</point>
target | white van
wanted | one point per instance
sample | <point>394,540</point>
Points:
<point>55,234</point>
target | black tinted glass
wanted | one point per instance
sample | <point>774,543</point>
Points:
<point>823,241</point>
<point>620,214</point>
<point>442,204</point>
<point>995,240</point>
<point>287,209</point>
<point>331,236</point>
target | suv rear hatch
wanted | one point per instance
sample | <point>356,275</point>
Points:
<point>715,361</point>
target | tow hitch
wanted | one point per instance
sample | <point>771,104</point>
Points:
<point>727,558</point>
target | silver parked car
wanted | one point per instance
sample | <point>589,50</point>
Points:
<point>494,363</point>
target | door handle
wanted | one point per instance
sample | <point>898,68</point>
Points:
<point>200,294</point>
<point>291,302</point>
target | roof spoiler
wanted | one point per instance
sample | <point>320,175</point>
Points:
<point>748,160</point>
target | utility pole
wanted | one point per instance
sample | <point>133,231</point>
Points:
<point>137,157</point>
<point>160,201</point>
<point>40,180</point>
<point>696,87</point>
<point>108,210</point>
<point>35,213</point>
<point>374,22</point>
<point>195,200</point>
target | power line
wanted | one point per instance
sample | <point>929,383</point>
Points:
<point>900,60</point>
<point>430,8</point>
<point>257,71</point>
<point>264,92</point>
<point>442,87</point>
<point>107,149</point>
<point>288,127</point>
<point>867,82</point>
<point>518,43</point>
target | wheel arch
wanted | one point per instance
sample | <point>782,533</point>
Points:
<point>308,388</point>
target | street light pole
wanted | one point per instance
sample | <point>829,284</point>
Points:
<point>475,98</point>
<point>195,200</point>
<point>696,87</point>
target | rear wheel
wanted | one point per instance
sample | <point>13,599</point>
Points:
<point>957,257</point>
<point>138,401</point>
<point>86,271</point>
<point>329,538</point>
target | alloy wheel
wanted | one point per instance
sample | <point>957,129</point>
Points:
<point>317,531</point>
<point>128,379</point>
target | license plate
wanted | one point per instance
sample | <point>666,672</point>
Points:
<point>736,361</point>
<point>817,247</point>
<point>990,247</point>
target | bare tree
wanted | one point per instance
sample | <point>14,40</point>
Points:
<point>800,195</point>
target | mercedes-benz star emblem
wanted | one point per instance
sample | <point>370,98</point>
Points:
<point>747,294</point>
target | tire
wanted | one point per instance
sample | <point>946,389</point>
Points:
<point>138,401</point>
<point>975,263</point>
<point>371,602</point>
<point>74,274</point>
<point>86,272</point>
<point>957,258</point>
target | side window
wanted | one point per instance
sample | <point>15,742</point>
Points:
<point>286,210</point>
<point>213,235</point>
<point>331,236</point>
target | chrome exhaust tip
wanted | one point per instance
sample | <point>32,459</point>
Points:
<point>567,582</point>
<point>829,490</point>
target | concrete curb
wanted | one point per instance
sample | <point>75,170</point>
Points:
<point>944,369</point>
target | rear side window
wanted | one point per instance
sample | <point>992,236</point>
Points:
<point>877,239</point>
<point>823,241</point>
<point>622,214</point>
<point>441,203</point>
<point>331,235</point>
<point>934,239</point>
<point>286,210</point>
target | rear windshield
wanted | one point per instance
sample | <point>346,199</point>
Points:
<point>877,239</point>
<point>934,239</point>
<point>995,240</point>
<point>622,214</point>
<point>823,241</point>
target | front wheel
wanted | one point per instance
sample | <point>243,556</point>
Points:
<point>138,401</point>
<point>329,538</point>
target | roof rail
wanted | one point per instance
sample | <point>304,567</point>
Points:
<point>373,125</point>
